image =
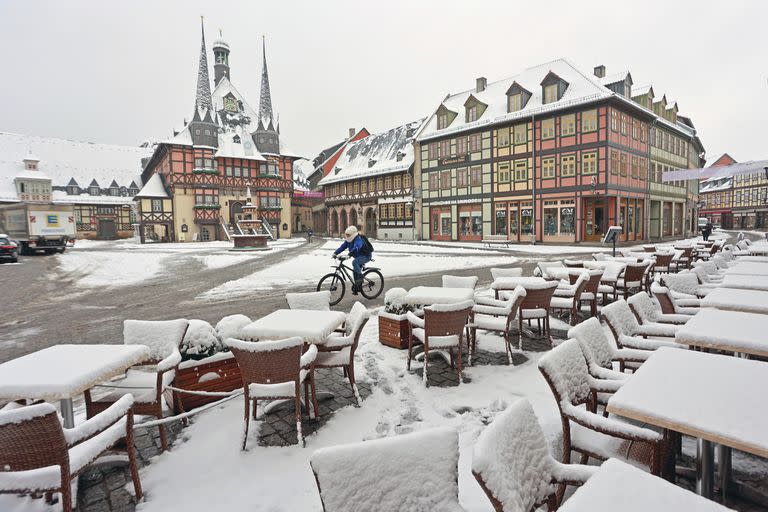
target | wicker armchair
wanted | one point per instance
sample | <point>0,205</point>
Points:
<point>459,282</point>
<point>573,263</point>
<point>684,285</point>
<point>38,455</point>
<point>647,311</point>
<point>146,382</point>
<point>319,301</point>
<point>586,432</point>
<point>684,260</point>
<point>442,328</point>
<point>495,315</point>
<point>275,370</point>
<point>663,259</point>
<point>568,298</point>
<point>600,352</point>
<point>649,248</point>
<point>339,350</point>
<point>506,272</point>
<point>589,295</point>
<point>632,278</point>
<point>542,266</point>
<point>672,305</point>
<point>512,463</point>
<point>372,476</point>
<point>536,305</point>
<point>627,332</point>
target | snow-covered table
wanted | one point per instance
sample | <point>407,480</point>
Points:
<point>746,282</point>
<point>734,331</point>
<point>428,295</point>
<point>733,299</point>
<point>510,283</point>
<point>311,325</point>
<point>750,268</point>
<point>620,486</point>
<point>62,372</point>
<point>715,398</point>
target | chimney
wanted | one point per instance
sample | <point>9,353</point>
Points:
<point>352,132</point>
<point>600,71</point>
<point>480,84</point>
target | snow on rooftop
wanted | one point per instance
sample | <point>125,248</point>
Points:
<point>613,78</point>
<point>639,90</point>
<point>380,153</point>
<point>154,188</point>
<point>62,160</point>
<point>716,184</point>
<point>244,149</point>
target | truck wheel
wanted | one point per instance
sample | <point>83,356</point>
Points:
<point>61,250</point>
<point>25,249</point>
<point>50,251</point>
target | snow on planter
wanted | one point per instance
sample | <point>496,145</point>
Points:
<point>417,472</point>
<point>200,340</point>
<point>162,337</point>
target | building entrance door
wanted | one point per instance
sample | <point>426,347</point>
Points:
<point>107,229</point>
<point>594,219</point>
<point>370,223</point>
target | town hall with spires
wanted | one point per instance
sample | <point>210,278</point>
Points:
<point>197,181</point>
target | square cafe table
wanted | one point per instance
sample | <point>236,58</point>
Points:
<point>732,299</point>
<point>746,282</point>
<point>428,295</point>
<point>312,326</point>
<point>619,486</point>
<point>734,331</point>
<point>62,372</point>
<point>750,268</point>
<point>714,398</point>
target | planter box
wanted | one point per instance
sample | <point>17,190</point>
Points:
<point>216,373</point>
<point>393,330</point>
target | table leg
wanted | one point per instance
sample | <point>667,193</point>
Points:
<point>704,468</point>
<point>724,468</point>
<point>67,412</point>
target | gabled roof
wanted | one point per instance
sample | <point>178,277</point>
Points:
<point>154,189</point>
<point>66,160</point>
<point>616,77</point>
<point>516,88</point>
<point>640,90</point>
<point>376,154</point>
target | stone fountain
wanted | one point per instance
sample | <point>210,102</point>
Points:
<point>252,237</point>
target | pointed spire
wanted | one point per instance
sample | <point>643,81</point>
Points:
<point>203,103</point>
<point>265,103</point>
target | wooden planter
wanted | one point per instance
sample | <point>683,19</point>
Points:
<point>216,373</point>
<point>393,330</point>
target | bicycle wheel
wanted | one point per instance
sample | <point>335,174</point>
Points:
<point>333,284</point>
<point>373,283</point>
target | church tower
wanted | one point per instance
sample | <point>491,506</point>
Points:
<point>267,134</point>
<point>203,128</point>
<point>220,59</point>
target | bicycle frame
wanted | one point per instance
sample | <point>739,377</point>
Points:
<point>345,273</point>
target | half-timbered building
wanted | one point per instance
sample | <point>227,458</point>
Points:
<point>552,154</point>
<point>371,185</point>
<point>226,149</point>
<point>100,180</point>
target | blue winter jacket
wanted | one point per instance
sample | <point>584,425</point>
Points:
<point>355,248</point>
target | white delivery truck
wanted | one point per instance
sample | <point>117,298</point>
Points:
<point>39,226</point>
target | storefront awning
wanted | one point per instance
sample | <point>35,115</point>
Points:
<point>721,171</point>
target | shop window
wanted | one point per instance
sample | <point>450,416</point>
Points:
<point>500,220</point>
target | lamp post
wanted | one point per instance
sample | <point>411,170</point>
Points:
<point>411,206</point>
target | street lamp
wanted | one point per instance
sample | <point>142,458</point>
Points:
<point>411,207</point>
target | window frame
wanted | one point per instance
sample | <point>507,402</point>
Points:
<point>585,117</point>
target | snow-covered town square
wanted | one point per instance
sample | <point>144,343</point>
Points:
<point>403,256</point>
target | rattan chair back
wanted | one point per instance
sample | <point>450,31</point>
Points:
<point>634,272</point>
<point>445,323</point>
<point>34,443</point>
<point>539,298</point>
<point>269,367</point>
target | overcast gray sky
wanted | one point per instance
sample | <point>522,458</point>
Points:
<point>123,72</point>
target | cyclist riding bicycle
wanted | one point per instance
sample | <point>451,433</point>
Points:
<point>360,250</point>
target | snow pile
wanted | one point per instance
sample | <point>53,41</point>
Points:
<point>162,337</point>
<point>416,472</point>
<point>231,327</point>
<point>512,458</point>
<point>394,304</point>
<point>200,340</point>
<point>110,268</point>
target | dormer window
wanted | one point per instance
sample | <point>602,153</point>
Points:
<point>73,190</point>
<point>445,117</point>
<point>371,162</point>
<point>442,121</point>
<point>515,103</point>
<point>30,165</point>
<point>517,97</point>
<point>94,191</point>
<point>472,113</point>
<point>236,139</point>
<point>550,93</point>
<point>474,109</point>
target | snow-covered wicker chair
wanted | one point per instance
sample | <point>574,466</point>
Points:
<point>705,279</point>
<point>714,274</point>
<point>663,259</point>
<point>589,295</point>
<point>459,282</point>
<point>682,260</point>
<point>506,272</point>
<point>672,305</point>
<point>417,471</point>
<point>573,263</point>
<point>632,278</point>
<point>541,267</point>
<point>627,332</point>
<point>147,381</point>
<point>37,455</point>
<point>568,297</point>
<point>646,310</point>
<point>586,432</point>
<point>600,352</point>
<point>512,463</point>
<point>536,306</point>
<point>495,315</point>
<point>275,370</point>
<point>611,272</point>
<point>442,328</point>
<point>339,349</point>
<point>684,285</point>
<point>319,301</point>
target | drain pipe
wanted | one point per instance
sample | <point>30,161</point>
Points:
<point>533,181</point>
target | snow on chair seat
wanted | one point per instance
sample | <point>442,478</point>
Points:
<point>38,455</point>
<point>621,320</point>
<point>318,301</point>
<point>600,352</point>
<point>417,471</point>
<point>459,282</point>
<point>512,463</point>
<point>146,381</point>
<point>274,370</point>
<point>566,372</point>
<point>497,316</point>
<point>646,310</point>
